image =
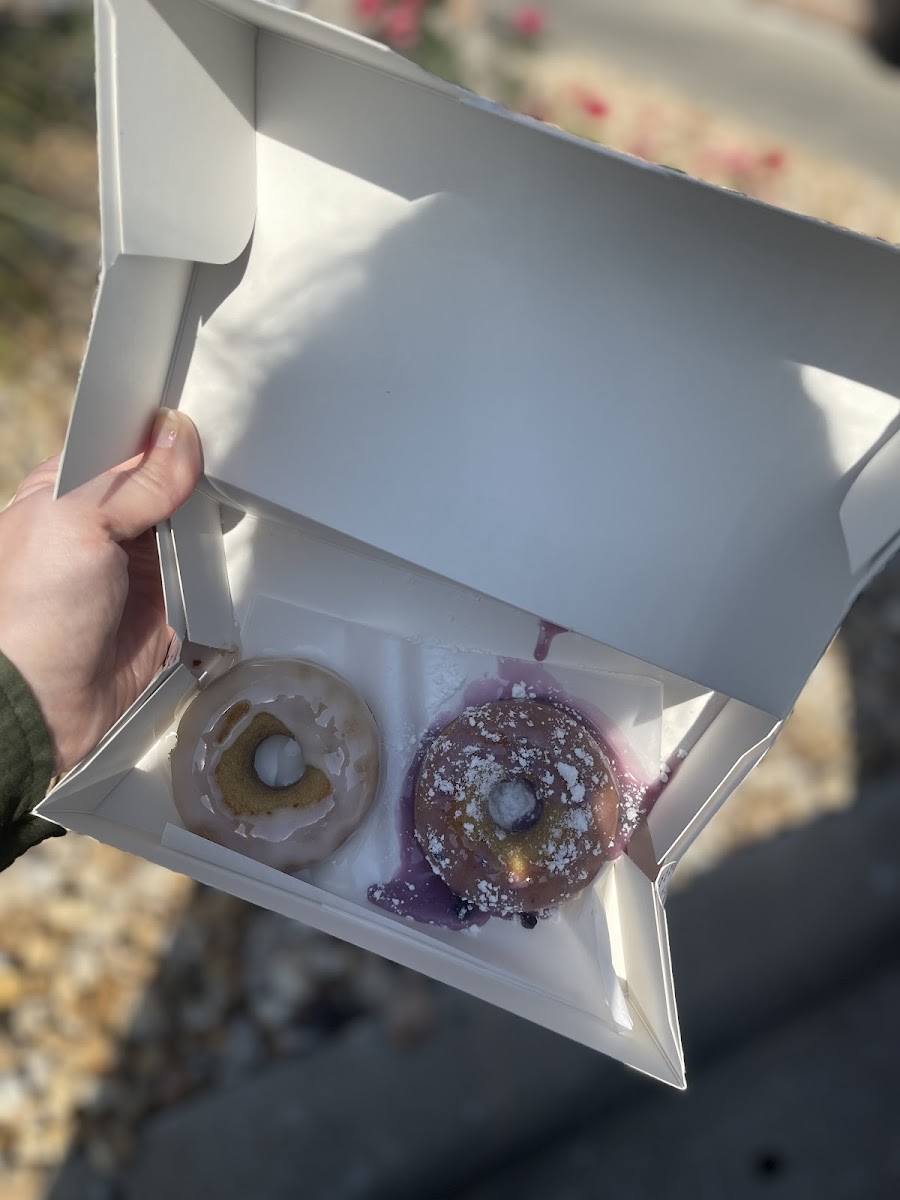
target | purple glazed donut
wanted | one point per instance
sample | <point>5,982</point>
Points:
<point>516,806</point>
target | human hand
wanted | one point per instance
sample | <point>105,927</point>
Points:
<point>81,606</point>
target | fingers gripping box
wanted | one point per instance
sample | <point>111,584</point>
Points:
<point>460,376</point>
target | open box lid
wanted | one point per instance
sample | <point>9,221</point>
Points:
<point>648,410</point>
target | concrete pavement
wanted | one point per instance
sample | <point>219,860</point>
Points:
<point>803,81</point>
<point>787,970</point>
<point>807,1112</point>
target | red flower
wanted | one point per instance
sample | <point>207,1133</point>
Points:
<point>595,107</point>
<point>591,104</point>
<point>401,26</point>
<point>773,160</point>
<point>369,10</point>
<point>529,22</point>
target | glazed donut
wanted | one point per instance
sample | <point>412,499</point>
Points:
<point>277,759</point>
<point>516,806</point>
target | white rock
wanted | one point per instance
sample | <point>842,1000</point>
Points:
<point>14,1095</point>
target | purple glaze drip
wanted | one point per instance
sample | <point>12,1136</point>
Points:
<point>546,633</point>
<point>416,891</point>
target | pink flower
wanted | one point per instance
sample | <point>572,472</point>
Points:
<point>369,10</point>
<point>773,160</point>
<point>730,161</point>
<point>529,22</point>
<point>401,26</point>
<point>591,104</point>
<point>595,107</point>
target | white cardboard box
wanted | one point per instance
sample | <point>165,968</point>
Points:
<point>452,368</point>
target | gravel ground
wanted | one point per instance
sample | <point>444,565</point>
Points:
<point>112,1011</point>
<point>124,988</point>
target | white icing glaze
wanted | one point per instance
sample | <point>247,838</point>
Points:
<point>334,732</point>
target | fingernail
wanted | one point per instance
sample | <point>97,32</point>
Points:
<point>165,428</point>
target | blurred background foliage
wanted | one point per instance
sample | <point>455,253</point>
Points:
<point>46,90</point>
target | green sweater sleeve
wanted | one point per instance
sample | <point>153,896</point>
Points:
<point>26,767</point>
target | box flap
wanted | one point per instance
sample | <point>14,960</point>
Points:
<point>203,577</point>
<point>177,176</point>
<point>123,378</point>
<point>727,749</point>
<point>561,378</point>
<point>115,755</point>
<point>638,917</point>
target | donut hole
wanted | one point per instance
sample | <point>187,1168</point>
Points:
<point>279,762</point>
<point>513,805</point>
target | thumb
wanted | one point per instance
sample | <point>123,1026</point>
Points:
<point>131,499</point>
